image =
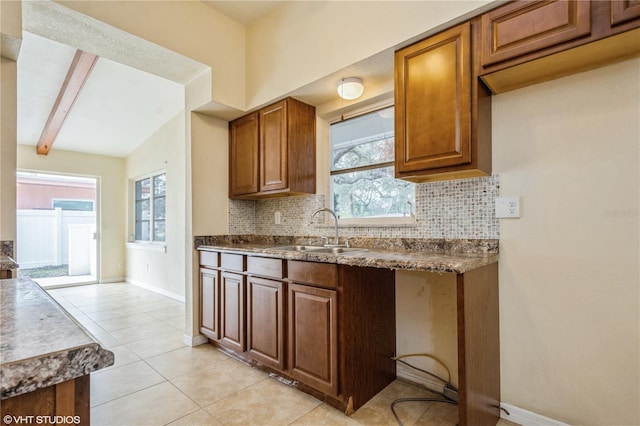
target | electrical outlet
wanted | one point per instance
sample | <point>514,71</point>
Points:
<point>277,218</point>
<point>507,207</point>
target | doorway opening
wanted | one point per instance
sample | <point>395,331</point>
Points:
<point>56,228</point>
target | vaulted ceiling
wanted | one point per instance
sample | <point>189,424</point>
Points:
<point>117,109</point>
<point>119,106</point>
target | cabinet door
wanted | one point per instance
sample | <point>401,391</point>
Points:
<point>433,102</point>
<point>273,147</point>
<point>232,333</point>
<point>243,155</point>
<point>209,303</point>
<point>523,27</point>
<point>313,337</point>
<point>265,321</point>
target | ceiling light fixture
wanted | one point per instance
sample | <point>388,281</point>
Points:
<point>350,88</point>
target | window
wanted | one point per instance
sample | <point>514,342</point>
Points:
<point>362,170</point>
<point>150,195</point>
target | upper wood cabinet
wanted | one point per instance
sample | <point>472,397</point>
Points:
<point>524,27</point>
<point>528,42</point>
<point>243,155</point>
<point>272,151</point>
<point>442,113</point>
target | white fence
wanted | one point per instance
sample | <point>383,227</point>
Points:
<point>56,237</point>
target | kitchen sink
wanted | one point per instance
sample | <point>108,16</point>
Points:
<point>319,249</point>
<point>298,248</point>
<point>339,250</point>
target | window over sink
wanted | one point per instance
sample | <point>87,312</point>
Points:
<point>363,187</point>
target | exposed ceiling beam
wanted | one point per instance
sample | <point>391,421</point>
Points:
<point>77,75</point>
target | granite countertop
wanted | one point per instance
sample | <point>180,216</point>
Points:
<point>457,256</point>
<point>7,263</point>
<point>40,343</point>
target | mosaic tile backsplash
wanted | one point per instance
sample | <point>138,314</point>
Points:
<point>456,209</point>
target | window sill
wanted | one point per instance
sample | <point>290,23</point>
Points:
<point>160,248</point>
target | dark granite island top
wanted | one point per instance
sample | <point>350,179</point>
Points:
<point>7,263</point>
<point>41,345</point>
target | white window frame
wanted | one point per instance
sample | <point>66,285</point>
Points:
<point>395,221</point>
<point>151,243</point>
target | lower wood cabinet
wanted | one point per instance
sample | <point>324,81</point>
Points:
<point>313,337</point>
<point>327,328</point>
<point>209,303</point>
<point>232,292</point>
<point>265,321</point>
<point>68,399</point>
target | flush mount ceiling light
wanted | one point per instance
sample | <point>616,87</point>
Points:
<point>350,88</point>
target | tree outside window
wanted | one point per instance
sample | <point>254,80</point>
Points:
<point>362,169</point>
<point>150,195</point>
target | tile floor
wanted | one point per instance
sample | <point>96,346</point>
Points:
<point>157,380</point>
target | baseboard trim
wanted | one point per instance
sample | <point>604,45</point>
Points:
<point>409,375</point>
<point>527,418</point>
<point>516,414</point>
<point>192,341</point>
<point>161,291</point>
<point>112,280</point>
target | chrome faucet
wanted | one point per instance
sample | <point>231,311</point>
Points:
<point>336,242</point>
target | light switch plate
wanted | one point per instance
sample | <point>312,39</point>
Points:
<point>507,207</point>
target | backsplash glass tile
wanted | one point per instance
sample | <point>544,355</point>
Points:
<point>242,217</point>
<point>456,209</point>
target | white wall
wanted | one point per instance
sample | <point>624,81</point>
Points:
<point>10,39</point>
<point>210,203</point>
<point>279,52</point>
<point>209,175</point>
<point>189,28</point>
<point>162,271</point>
<point>8,140</point>
<point>569,267</point>
<point>110,172</point>
<point>304,41</point>
<point>426,322</point>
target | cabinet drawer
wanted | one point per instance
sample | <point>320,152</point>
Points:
<point>232,262</point>
<point>523,27</point>
<point>209,259</point>
<point>266,267</point>
<point>318,274</point>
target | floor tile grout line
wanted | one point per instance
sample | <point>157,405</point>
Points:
<point>127,394</point>
<point>232,394</point>
<point>306,413</point>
